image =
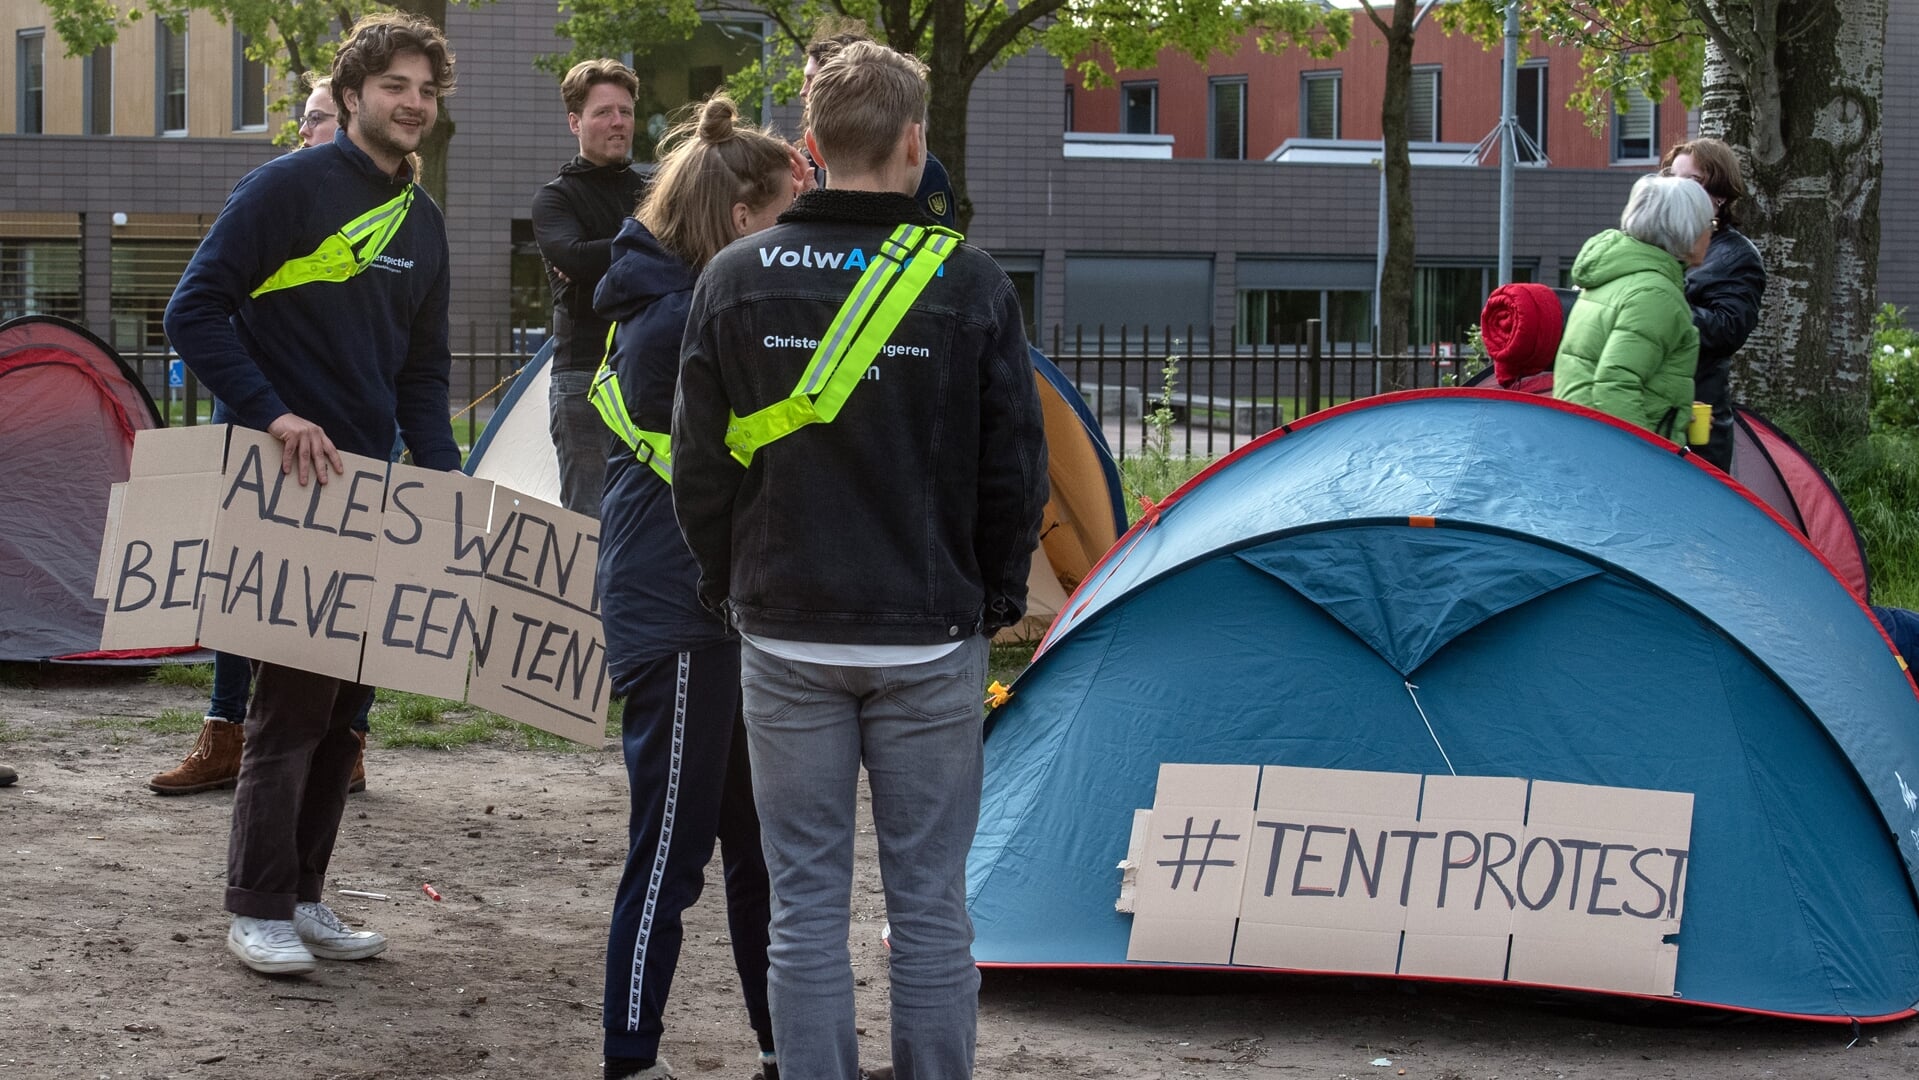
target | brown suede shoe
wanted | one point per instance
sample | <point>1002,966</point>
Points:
<point>213,764</point>
<point>358,783</point>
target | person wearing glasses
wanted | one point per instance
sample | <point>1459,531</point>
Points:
<point>319,120</point>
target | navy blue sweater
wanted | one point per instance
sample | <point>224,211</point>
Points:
<point>356,357</point>
<point>649,583</point>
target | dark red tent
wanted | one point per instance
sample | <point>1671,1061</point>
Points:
<point>1774,468</point>
<point>68,409</point>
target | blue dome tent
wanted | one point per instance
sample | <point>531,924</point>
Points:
<point>1490,584</point>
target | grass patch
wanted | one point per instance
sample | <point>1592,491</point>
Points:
<point>1154,476</point>
<point>184,676</point>
<point>176,722</point>
<point>11,732</point>
<point>1878,476</point>
<point>1006,660</point>
<point>401,719</point>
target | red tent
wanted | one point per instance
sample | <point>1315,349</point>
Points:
<point>68,409</point>
<point>1774,468</point>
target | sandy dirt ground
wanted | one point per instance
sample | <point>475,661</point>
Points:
<point>112,960</point>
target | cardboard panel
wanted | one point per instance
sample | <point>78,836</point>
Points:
<point>1458,914</point>
<point>429,568</point>
<point>1326,871</point>
<point>1194,864</point>
<point>1601,885</point>
<point>289,573</point>
<point>156,538</point>
<point>109,543</point>
<point>539,656</point>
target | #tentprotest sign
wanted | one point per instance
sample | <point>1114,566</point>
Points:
<point>391,575</point>
<point>1492,878</point>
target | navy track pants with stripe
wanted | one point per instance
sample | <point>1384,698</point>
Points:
<point>690,784</point>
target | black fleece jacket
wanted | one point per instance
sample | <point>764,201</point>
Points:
<point>911,518</point>
<point>1724,291</point>
<point>575,217</point>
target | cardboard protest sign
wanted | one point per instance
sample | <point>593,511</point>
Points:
<point>1494,878</point>
<point>289,572</point>
<point>540,654</point>
<point>394,576</point>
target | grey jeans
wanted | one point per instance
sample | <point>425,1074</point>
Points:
<point>580,437</point>
<point>917,729</point>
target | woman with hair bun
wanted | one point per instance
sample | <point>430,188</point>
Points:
<point>676,665</point>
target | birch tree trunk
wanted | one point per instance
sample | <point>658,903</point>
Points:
<point>1797,84</point>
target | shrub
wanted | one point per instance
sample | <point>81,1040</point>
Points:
<point>1895,372</point>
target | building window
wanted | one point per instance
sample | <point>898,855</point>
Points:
<point>1069,108</point>
<point>40,277</point>
<point>1635,128</point>
<point>96,78</point>
<point>1024,272</point>
<point>1422,111</point>
<point>249,87</point>
<point>1107,296</point>
<point>1139,108</point>
<point>1278,316</point>
<point>31,53</point>
<point>1532,112</point>
<point>1448,299</point>
<point>170,93</point>
<point>143,275</point>
<point>1226,120</point>
<point>1319,105</point>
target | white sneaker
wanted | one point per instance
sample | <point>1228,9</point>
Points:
<point>269,946</point>
<point>329,939</point>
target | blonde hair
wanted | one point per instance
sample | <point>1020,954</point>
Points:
<point>707,164</point>
<point>862,99</point>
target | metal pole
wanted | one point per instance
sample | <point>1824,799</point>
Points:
<point>1508,140</point>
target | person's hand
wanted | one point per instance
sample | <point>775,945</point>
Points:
<point>306,447</point>
<point>802,172</point>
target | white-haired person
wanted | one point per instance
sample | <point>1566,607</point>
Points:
<point>1630,348</point>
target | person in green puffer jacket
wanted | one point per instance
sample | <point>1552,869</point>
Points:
<point>1630,348</point>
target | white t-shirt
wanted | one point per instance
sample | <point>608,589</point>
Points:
<point>835,655</point>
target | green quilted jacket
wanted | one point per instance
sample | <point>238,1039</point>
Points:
<point>1629,348</point>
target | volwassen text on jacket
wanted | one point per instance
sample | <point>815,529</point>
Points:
<point>822,260</point>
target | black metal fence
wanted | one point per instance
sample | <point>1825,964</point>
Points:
<point>1208,394</point>
<point>1197,390</point>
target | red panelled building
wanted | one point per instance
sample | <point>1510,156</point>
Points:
<point>1248,103</point>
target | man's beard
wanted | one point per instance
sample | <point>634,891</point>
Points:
<point>381,134</point>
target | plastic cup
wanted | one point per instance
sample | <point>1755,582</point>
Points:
<point>1699,432</point>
